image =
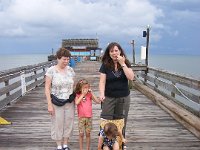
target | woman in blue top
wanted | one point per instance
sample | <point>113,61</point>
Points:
<point>115,72</point>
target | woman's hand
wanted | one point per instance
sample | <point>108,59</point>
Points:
<point>51,109</point>
<point>102,98</point>
<point>121,59</point>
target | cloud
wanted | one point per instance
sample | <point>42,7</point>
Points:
<point>42,24</point>
<point>76,17</point>
<point>18,31</point>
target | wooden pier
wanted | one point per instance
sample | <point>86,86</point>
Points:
<point>149,127</point>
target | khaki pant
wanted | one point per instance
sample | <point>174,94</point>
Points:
<point>63,121</point>
<point>116,108</point>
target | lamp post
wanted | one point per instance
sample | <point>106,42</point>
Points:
<point>52,51</point>
<point>146,34</point>
<point>133,44</point>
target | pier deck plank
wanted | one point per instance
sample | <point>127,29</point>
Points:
<point>148,127</point>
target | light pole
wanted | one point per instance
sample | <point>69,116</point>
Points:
<point>133,44</point>
<point>52,51</point>
<point>146,34</point>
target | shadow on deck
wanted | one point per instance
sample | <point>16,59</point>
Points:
<point>148,127</point>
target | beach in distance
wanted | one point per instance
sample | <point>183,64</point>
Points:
<point>187,65</point>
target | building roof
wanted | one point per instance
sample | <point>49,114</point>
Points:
<point>87,44</point>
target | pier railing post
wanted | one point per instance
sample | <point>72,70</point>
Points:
<point>6,84</point>
<point>172,93</point>
<point>35,72</point>
<point>23,83</point>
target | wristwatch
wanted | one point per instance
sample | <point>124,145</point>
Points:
<point>123,65</point>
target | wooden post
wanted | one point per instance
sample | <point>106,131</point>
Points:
<point>23,83</point>
<point>8,93</point>
<point>172,93</point>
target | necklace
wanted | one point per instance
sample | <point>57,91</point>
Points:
<point>84,99</point>
<point>117,73</point>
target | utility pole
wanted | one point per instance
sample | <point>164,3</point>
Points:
<point>146,34</point>
<point>147,46</point>
<point>52,51</point>
<point>133,44</point>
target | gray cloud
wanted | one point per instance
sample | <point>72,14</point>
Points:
<point>86,17</point>
<point>43,23</point>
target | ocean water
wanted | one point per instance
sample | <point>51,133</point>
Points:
<point>19,60</point>
<point>186,65</point>
<point>182,64</point>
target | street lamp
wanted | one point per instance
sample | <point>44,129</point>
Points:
<point>101,52</point>
<point>133,44</point>
<point>146,34</point>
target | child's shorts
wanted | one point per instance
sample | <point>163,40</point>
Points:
<point>85,124</point>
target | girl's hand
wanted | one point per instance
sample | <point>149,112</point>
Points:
<point>98,100</point>
<point>124,140</point>
<point>84,91</point>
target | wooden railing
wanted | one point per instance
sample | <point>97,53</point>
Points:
<point>185,91</point>
<point>16,82</point>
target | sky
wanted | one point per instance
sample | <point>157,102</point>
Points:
<point>38,26</point>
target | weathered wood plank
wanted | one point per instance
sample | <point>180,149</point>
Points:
<point>10,87</point>
<point>189,82</point>
<point>189,120</point>
<point>183,90</point>
<point>30,76</point>
<point>10,98</point>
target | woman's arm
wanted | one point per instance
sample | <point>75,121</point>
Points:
<point>128,72</point>
<point>121,136</point>
<point>102,83</point>
<point>48,81</point>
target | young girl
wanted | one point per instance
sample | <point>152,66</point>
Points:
<point>83,100</point>
<point>108,137</point>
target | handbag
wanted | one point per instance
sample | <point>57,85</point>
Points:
<point>72,97</point>
<point>60,102</point>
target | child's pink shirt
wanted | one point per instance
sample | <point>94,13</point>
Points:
<point>84,108</point>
